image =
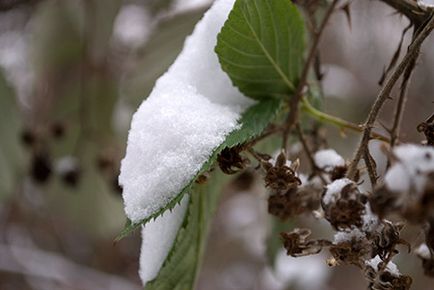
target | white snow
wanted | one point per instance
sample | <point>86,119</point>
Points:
<point>308,273</point>
<point>345,236</point>
<point>414,162</point>
<point>157,238</point>
<point>189,112</point>
<point>328,159</point>
<point>370,220</point>
<point>425,3</point>
<point>391,267</point>
<point>334,189</point>
<point>423,252</point>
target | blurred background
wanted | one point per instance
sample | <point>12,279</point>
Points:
<point>72,74</point>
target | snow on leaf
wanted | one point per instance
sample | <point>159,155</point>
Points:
<point>190,111</point>
<point>181,265</point>
<point>157,239</point>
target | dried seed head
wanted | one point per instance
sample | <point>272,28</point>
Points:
<point>230,161</point>
<point>297,244</point>
<point>350,252</point>
<point>427,128</point>
<point>385,277</point>
<point>386,238</point>
<point>344,204</point>
<point>294,202</point>
<point>350,247</point>
<point>280,178</point>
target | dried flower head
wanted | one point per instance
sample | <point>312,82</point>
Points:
<point>384,275</point>
<point>344,204</point>
<point>386,238</point>
<point>294,202</point>
<point>230,160</point>
<point>297,244</point>
<point>350,247</point>
<point>280,177</point>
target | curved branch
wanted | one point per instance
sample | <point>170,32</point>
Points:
<point>413,11</point>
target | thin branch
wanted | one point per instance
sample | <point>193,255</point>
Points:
<point>402,99</point>
<point>309,153</point>
<point>295,100</point>
<point>384,94</point>
<point>371,167</point>
<point>411,9</point>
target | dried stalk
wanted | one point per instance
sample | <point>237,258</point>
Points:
<point>295,100</point>
<point>384,94</point>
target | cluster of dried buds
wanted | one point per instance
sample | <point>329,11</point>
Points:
<point>363,238</point>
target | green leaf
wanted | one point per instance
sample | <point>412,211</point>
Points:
<point>181,266</point>
<point>253,122</point>
<point>261,47</point>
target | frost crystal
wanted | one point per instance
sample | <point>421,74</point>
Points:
<point>328,159</point>
<point>157,238</point>
<point>189,112</point>
<point>334,190</point>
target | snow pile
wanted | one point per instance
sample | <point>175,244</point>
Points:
<point>189,112</point>
<point>328,159</point>
<point>334,189</point>
<point>411,170</point>
<point>191,109</point>
<point>391,267</point>
<point>157,238</point>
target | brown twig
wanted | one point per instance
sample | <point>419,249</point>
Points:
<point>309,153</point>
<point>295,100</point>
<point>402,99</point>
<point>384,94</point>
<point>414,12</point>
<point>371,167</point>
